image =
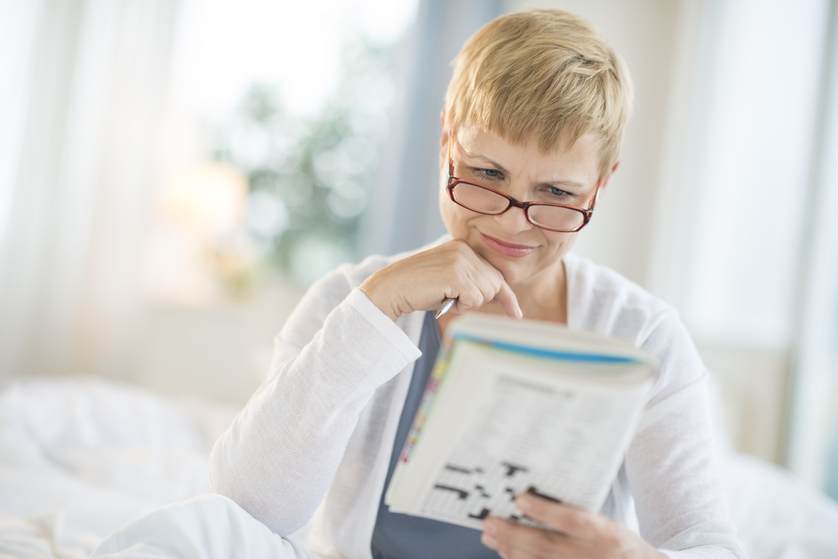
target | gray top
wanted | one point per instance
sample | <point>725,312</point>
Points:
<point>399,536</point>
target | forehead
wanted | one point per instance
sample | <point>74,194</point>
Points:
<point>578,162</point>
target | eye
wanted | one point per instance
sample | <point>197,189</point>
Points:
<point>488,173</point>
<point>556,192</point>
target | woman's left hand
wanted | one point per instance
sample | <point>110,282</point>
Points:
<point>571,533</point>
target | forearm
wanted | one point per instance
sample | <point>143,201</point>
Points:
<point>280,455</point>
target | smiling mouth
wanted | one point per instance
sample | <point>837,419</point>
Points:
<point>507,244</point>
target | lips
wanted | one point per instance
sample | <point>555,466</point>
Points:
<point>507,243</point>
<point>506,248</point>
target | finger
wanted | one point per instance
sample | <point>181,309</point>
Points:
<point>487,285</point>
<point>506,297</point>
<point>566,519</point>
<point>461,287</point>
<point>470,298</point>
<point>497,292</point>
<point>517,539</point>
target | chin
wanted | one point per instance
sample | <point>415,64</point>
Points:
<point>513,271</point>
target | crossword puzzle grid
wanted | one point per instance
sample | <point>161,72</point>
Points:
<point>474,493</point>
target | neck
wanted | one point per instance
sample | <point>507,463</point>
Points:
<point>543,296</point>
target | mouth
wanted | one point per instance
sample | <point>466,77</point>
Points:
<point>506,248</point>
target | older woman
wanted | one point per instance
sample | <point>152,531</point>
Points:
<point>531,133</point>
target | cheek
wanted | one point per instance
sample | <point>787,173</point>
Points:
<point>453,216</point>
<point>558,245</point>
<point>557,242</point>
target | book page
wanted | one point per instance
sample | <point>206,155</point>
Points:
<point>504,425</point>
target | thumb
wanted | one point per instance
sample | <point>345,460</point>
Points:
<point>507,298</point>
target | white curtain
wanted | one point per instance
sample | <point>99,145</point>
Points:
<point>812,449</point>
<point>747,241</point>
<point>84,97</point>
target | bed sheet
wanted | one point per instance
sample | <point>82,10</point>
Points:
<point>80,458</point>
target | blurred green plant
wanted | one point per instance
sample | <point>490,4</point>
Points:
<point>310,176</point>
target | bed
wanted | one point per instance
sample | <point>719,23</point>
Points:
<point>81,457</point>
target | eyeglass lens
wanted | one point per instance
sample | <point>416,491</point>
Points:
<point>485,201</point>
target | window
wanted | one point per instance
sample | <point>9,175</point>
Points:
<point>277,116</point>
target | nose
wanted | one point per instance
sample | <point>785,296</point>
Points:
<point>513,220</point>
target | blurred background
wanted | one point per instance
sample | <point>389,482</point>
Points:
<point>175,173</point>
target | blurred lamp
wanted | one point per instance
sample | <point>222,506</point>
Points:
<point>198,248</point>
<point>207,199</point>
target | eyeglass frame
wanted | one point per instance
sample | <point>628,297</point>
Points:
<point>453,181</point>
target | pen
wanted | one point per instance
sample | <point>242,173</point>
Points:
<point>446,306</point>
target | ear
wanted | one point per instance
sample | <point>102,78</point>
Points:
<point>603,182</point>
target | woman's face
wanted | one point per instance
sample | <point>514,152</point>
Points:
<point>525,173</point>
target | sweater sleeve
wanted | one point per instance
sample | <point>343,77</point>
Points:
<point>672,463</point>
<point>280,455</point>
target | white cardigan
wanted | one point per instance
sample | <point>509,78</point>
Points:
<point>311,448</point>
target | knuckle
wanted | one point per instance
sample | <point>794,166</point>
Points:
<point>461,276</point>
<point>497,285</point>
<point>487,290</point>
<point>580,522</point>
<point>497,280</point>
<point>470,298</point>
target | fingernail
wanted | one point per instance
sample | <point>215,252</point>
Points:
<point>489,541</point>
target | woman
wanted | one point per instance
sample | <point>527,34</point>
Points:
<point>531,131</point>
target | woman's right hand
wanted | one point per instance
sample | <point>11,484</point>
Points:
<point>423,280</point>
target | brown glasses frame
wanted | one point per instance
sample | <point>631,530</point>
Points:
<point>453,181</point>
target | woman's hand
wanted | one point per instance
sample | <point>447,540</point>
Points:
<point>571,533</point>
<point>423,280</point>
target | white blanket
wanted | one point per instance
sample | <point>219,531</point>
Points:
<point>208,526</point>
<point>80,459</point>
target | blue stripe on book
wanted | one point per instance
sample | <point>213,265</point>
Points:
<point>548,353</point>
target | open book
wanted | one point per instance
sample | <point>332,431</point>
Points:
<point>515,406</point>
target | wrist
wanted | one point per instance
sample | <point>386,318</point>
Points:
<point>372,288</point>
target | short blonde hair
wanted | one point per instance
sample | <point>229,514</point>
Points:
<point>545,75</point>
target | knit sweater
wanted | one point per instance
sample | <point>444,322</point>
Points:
<point>308,454</point>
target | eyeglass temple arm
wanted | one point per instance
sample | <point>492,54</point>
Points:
<point>596,197</point>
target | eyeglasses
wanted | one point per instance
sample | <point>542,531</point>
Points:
<point>488,201</point>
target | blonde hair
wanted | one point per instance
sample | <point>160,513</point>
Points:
<point>544,75</point>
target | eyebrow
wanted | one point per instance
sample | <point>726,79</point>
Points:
<point>500,167</point>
